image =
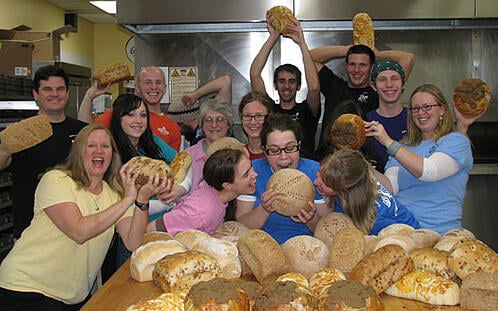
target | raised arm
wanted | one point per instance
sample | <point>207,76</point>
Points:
<point>85,110</point>
<point>405,59</point>
<point>257,65</point>
<point>220,86</point>
<point>324,54</point>
<point>313,96</point>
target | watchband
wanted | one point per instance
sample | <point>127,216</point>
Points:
<point>142,206</point>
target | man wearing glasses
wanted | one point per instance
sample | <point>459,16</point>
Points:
<point>388,80</point>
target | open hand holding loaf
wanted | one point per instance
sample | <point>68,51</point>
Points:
<point>26,133</point>
<point>280,16</point>
<point>147,166</point>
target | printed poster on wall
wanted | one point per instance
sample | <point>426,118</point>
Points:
<point>182,80</point>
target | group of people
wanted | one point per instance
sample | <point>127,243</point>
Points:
<point>414,173</point>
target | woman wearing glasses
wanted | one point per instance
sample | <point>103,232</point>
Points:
<point>253,109</point>
<point>429,169</point>
<point>216,119</point>
<point>281,139</point>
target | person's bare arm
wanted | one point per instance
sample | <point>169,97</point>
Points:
<point>405,59</point>
<point>221,86</point>
<point>5,157</point>
<point>257,65</point>
<point>324,54</point>
<point>313,96</point>
<point>85,110</point>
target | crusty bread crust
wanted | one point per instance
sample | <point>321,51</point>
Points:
<point>279,17</point>
<point>112,73</point>
<point>26,133</point>
<point>348,131</point>
<point>471,97</point>
<point>363,31</point>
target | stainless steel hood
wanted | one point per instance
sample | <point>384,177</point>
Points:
<point>192,16</point>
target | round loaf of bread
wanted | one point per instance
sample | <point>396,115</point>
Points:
<point>348,131</point>
<point>191,237</point>
<point>321,281</point>
<point>156,236</point>
<point>349,295</point>
<point>471,97</point>
<point>329,224</point>
<point>280,16</point>
<point>347,249</point>
<point>224,143</point>
<point>401,229</point>
<point>293,190</point>
<point>221,294</point>
<point>180,271</point>
<point>230,228</point>
<point>404,241</point>
<point>424,237</point>
<point>145,257</point>
<point>225,252</point>
<point>285,296</point>
<point>306,254</point>
<point>147,166</point>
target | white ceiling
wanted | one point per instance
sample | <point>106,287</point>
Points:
<point>84,9</point>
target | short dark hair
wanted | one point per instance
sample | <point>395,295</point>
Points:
<point>289,68</point>
<point>361,49</point>
<point>45,72</point>
<point>280,122</point>
<point>220,167</point>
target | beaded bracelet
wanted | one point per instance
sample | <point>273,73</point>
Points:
<point>393,148</point>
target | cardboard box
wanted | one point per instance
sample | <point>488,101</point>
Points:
<point>16,58</point>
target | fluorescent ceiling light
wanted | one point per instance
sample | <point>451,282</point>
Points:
<point>107,6</point>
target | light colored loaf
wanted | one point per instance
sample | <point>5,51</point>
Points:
<point>363,30</point>
<point>426,287</point>
<point>402,229</point>
<point>397,239</point>
<point>166,301</point>
<point>145,257</point>
<point>305,254</point>
<point>225,252</point>
<point>329,224</point>
<point>347,249</point>
<point>472,256</point>
<point>321,281</point>
<point>263,255</point>
<point>191,237</point>
<point>26,133</point>
<point>434,261</point>
<point>423,238</point>
<point>295,277</point>
<point>479,291</point>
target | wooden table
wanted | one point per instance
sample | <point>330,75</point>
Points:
<point>121,291</point>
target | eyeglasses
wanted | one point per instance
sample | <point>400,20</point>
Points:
<point>276,151</point>
<point>423,108</point>
<point>257,117</point>
<point>211,121</point>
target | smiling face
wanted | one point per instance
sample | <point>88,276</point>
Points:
<point>134,123</point>
<point>389,86</point>
<point>215,125</point>
<point>358,69</point>
<point>98,153</point>
<point>287,86</point>
<point>52,95</point>
<point>426,121</point>
<point>254,110</point>
<point>278,139</point>
<point>245,177</point>
<point>151,86</point>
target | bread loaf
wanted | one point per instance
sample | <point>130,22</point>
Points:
<point>147,166</point>
<point>224,143</point>
<point>156,236</point>
<point>434,261</point>
<point>26,133</point>
<point>347,249</point>
<point>397,239</point>
<point>472,256</point>
<point>225,252</point>
<point>471,97</point>
<point>145,257</point>
<point>111,73</point>
<point>191,237</point>
<point>180,271</point>
<point>382,268</point>
<point>293,190</point>
<point>166,301</point>
<point>282,296</point>
<point>401,229</point>
<point>370,243</point>
<point>348,131</point>
<point>426,287</point>
<point>423,238</point>
<point>295,277</point>
<point>263,255</point>
<point>363,31</point>
<point>230,228</point>
<point>459,233</point>
<point>329,224</point>
<point>180,165</point>
<point>279,17</point>
<point>479,291</point>
<point>449,243</point>
<point>349,295</point>
<point>321,281</point>
<point>305,254</point>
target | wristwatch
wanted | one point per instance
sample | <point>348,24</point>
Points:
<point>142,206</point>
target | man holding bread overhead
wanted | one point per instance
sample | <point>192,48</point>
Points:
<point>151,87</point>
<point>359,61</point>
<point>39,143</point>
<point>287,77</point>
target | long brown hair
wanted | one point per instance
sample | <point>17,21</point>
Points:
<point>348,173</point>
<point>445,125</point>
<point>75,167</point>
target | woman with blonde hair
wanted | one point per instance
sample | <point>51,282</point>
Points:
<point>347,182</point>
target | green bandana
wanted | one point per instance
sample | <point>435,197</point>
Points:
<point>384,65</point>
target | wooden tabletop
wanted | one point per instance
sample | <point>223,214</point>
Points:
<point>121,291</point>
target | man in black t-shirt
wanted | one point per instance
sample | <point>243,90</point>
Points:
<point>51,93</point>
<point>287,81</point>
<point>359,60</point>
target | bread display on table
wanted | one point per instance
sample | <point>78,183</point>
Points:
<point>280,16</point>
<point>348,131</point>
<point>363,30</point>
<point>147,166</point>
<point>293,190</point>
<point>26,133</point>
<point>111,74</point>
